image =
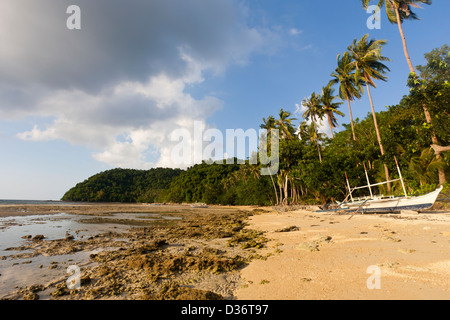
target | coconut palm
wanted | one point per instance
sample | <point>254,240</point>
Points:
<point>268,123</point>
<point>284,124</point>
<point>426,166</point>
<point>398,11</point>
<point>330,107</point>
<point>367,61</point>
<point>306,132</point>
<point>349,88</point>
<point>314,111</point>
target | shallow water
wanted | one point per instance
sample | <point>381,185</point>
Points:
<point>60,225</point>
<point>20,272</point>
<point>53,227</point>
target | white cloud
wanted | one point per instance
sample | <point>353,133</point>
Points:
<point>295,31</point>
<point>145,113</point>
<point>120,85</point>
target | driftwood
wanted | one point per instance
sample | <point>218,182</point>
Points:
<point>440,149</point>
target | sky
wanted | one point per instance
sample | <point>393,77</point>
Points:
<point>107,86</point>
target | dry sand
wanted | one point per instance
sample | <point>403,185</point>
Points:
<point>329,255</point>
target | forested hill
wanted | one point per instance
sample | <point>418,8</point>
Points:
<point>214,184</point>
<point>124,185</point>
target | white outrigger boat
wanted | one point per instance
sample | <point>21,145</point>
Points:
<point>381,204</point>
<point>199,205</point>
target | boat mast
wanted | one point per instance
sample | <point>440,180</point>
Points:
<point>401,178</point>
<point>348,186</point>
<point>368,182</point>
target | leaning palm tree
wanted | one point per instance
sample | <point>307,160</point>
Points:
<point>398,11</point>
<point>349,88</point>
<point>314,111</point>
<point>367,61</point>
<point>330,107</point>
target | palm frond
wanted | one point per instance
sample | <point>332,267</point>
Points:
<point>367,59</point>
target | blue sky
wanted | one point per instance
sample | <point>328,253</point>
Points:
<point>77,102</point>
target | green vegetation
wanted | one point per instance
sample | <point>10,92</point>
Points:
<point>213,184</point>
<point>123,185</point>
<point>312,166</point>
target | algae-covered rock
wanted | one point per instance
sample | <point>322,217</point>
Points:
<point>173,291</point>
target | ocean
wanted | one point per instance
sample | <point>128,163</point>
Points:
<point>22,202</point>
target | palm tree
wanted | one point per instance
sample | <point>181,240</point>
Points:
<point>367,61</point>
<point>314,109</point>
<point>426,166</point>
<point>284,124</point>
<point>330,108</point>
<point>268,123</point>
<point>349,88</point>
<point>398,11</point>
<point>306,132</point>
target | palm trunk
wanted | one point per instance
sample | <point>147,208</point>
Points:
<point>293,192</point>
<point>400,29</point>
<point>351,118</point>
<point>274,187</point>
<point>434,140</point>
<point>377,130</point>
<point>286,190</point>
<point>442,178</point>
<point>441,171</point>
<point>280,187</point>
<point>330,122</point>
<point>317,138</point>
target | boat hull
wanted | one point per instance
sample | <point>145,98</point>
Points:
<point>417,207</point>
<point>390,204</point>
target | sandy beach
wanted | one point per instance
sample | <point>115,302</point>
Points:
<point>244,253</point>
<point>324,256</point>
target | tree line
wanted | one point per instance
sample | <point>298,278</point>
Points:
<point>313,166</point>
<point>123,185</point>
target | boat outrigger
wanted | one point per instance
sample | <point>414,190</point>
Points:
<point>381,204</point>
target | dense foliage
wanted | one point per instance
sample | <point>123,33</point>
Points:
<point>124,185</point>
<point>230,184</point>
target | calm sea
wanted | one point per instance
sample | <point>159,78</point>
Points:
<point>10,201</point>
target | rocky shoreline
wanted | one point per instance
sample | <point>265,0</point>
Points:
<point>196,255</point>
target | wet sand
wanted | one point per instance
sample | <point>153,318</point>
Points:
<point>231,253</point>
<point>10,210</point>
